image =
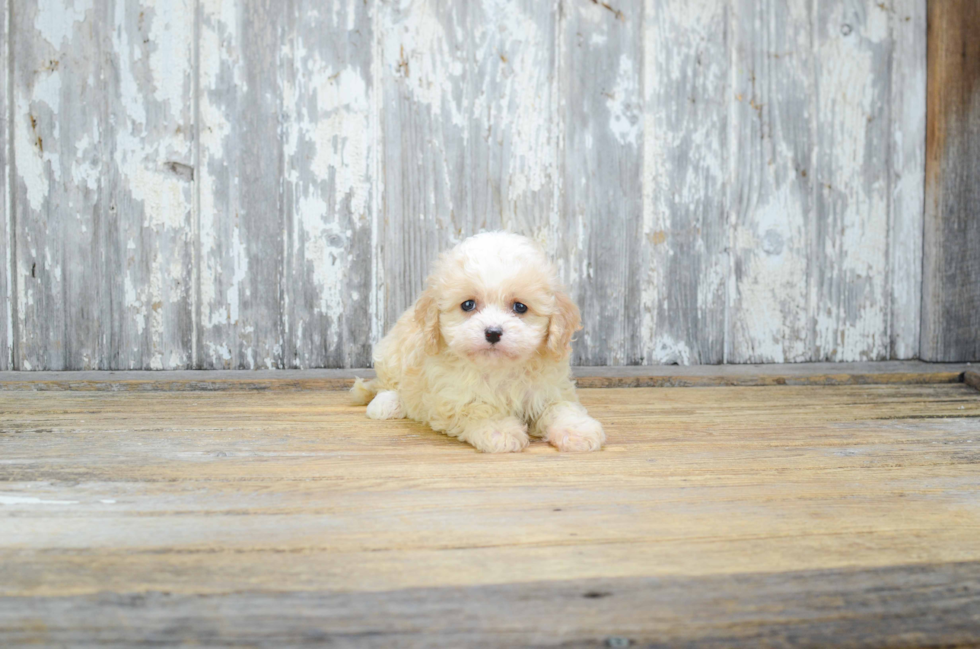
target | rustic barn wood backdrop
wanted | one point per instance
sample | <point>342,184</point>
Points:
<point>220,183</point>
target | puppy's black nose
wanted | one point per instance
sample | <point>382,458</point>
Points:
<point>493,334</point>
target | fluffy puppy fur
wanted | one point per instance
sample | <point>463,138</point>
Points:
<point>468,359</point>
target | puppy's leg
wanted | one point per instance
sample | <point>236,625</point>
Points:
<point>568,427</point>
<point>386,405</point>
<point>504,435</point>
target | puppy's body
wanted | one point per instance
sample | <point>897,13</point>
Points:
<point>468,362</point>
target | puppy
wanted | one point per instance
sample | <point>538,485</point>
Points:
<point>483,354</point>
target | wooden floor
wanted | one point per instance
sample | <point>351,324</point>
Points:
<point>749,516</point>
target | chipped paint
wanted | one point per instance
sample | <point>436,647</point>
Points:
<point>755,204</point>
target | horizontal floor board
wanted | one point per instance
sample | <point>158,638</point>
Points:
<point>900,606</point>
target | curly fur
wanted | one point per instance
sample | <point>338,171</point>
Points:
<point>436,365</point>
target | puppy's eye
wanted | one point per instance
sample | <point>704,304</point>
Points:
<point>468,305</point>
<point>520,308</point>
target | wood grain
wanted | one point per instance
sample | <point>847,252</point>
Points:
<point>6,209</point>
<point>896,606</point>
<point>330,149</point>
<point>685,270</point>
<point>907,24</point>
<point>770,199</point>
<point>601,211</point>
<point>146,180</point>
<point>215,184</point>
<point>727,514</point>
<point>951,253</point>
<point>851,170</point>
<point>60,207</point>
<point>240,215</point>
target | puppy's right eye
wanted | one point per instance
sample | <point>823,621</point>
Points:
<point>468,305</point>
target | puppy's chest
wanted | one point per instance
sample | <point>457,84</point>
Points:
<point>514,392</point>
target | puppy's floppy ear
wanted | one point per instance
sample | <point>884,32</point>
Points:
<point>427,319</point>
<point>565,321</point>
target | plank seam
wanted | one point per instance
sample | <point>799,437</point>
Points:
<point>586,378</point>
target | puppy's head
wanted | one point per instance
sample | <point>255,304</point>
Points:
<point>496,298</point>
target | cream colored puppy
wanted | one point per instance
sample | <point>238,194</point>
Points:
<point>483,354</point>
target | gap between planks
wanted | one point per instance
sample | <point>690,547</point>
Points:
<point>885,372</point>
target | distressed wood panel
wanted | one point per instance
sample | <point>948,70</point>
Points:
<point>770,194</point>
<point>330,149</point>
<point>849,245</point>
<point>951,259</point>
<point>247,184</point>
<point>602,200</point>
<point>470,141</point>
<point>241,217</point>
<point>685,178</point>
<point>907,104</point>
<point>59,126</point>
<point>147,176</point>
<point>6,211</point>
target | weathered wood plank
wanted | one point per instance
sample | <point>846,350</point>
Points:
<point>241,219</point>
<point>772,167</point>
<point>849,293</point>
<point>928,604</point>
<point>882,372</point>
<point>907,106</point>
<point>601,227</point>
<point>951,246</point>
<point>330,145</point>
<point>58,124</point>
<point>469,130</point>
<point>148,180</point>
<point>6,208</point>
<point>685,267</point>
<point>726,517</point>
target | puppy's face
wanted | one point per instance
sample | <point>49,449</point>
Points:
<point>494,299</point>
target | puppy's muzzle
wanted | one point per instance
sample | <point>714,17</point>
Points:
<point>493,334</point>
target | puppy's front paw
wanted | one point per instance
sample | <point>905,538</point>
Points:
<point>508,435</point>
<point>575,432</point>
<point>385,405</point>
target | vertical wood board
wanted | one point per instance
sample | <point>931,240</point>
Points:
<point>6,211</point>
<point>330,145</point>
<point>907,104</point>
<point>849,294</point>
<point>60,128</point>
<point>148,176</point>
<point>602,199</point>
<point>241,218</point>
<point>951,245</point>
<point>685,266</point>
<point>772,175</point>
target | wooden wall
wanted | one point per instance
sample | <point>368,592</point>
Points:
<point>262,183</point>
<point>951,264</point>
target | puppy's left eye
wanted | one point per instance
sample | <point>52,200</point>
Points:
<point>520,308</point>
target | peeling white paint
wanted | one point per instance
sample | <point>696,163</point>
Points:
<point>55,21</point>
<point>624,104</point>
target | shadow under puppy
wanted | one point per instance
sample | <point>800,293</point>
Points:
<point>483,354</point>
